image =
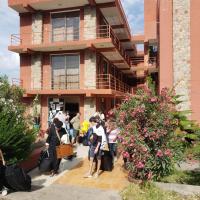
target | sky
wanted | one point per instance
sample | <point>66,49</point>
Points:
<point>9,24</point>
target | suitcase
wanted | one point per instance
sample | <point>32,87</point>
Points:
<point>44,162</point>
<point>17,179</point>
<point>106,161</point>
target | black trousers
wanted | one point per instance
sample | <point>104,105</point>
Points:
<point>55,163</point>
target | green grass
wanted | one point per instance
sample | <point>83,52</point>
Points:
<point>151,192</point>
<point>183,177</point>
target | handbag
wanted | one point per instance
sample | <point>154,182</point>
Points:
<point>63,150</point>
<point>105,147</point>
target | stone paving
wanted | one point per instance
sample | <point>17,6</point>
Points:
<point>70,184</point>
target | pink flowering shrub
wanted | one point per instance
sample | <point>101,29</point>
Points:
<point>147,139</point>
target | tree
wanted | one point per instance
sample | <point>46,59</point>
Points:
<point>16,136</point>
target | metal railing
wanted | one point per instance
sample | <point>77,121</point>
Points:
<point>62,35</point>
<point>69,82</point>
<point>17,82</point>
<point>59,82</point>
<point>152,62</point>
<point>107,81</point>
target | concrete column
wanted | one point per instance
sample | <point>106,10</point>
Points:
<point>37,26</point>
<point>44,112</point>
<point>90,69</point>
<point>181,52</point>
<point>89,107</point>
<point>90,23</point>
<point>36,71</point>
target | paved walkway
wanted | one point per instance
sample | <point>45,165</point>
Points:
<point>70,184</point>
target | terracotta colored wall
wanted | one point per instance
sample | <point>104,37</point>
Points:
<point>46,27</point>
<point>195,59</point>
<point>150,19</point>
<point>26,28</point>
<point>166,56</point>
<point>25,70</point>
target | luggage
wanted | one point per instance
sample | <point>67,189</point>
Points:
<point>106,161</point>
<point>17,179</point>
<point>2,176</point>
<point>64,150</point>
<point>86,137</point>
<point>44,162</point>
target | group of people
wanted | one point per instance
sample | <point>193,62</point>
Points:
<point>101,138</point>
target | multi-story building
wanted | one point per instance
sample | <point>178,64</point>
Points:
<point>176,25</point>
<point>78,56</point>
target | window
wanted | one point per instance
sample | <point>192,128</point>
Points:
<point>65,71</point>
<point>65,26</point>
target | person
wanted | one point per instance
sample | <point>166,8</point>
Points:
<point>112,132</point>
<point>97,140</point>
<point>56,132</point>
<point>62,117</point>
<point>3,189</point>
<point>102,116</point>
<point>76,126</point>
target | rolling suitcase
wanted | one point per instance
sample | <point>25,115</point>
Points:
<point>17,179</point>
<point>106,161</point>
<point>44,162</point>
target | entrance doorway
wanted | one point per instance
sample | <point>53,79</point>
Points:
<point>72,108</point>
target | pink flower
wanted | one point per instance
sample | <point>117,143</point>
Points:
<point>122,115</point>
<point>149,175</point>
<point>159,154</point>
<point>153,99</point>
<point>145,130</point>
<point>126,155</point>
<point>144,149</point>
<point>168,153</point>
<point>140,165</point>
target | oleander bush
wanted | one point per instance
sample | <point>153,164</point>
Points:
<point>16,136</point>
<point>148,140</point>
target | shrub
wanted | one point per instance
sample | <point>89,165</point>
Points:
<point>15,135</point>
<point>148,140</point>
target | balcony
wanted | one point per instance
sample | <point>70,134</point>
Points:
<point>102,38</point>
<point>106,84</point>
<point>107,81</point>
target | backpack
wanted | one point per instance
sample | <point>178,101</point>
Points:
<point>86,137</point>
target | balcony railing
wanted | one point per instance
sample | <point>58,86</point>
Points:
<point>107,81</point>
<point>17,82</point>
<point>63,35</point>
<point>59,82</point>
<point>71,82</point>
<point>152,62</point>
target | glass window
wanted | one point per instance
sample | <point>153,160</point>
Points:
<point>65,26</point>
<point>65,71</point>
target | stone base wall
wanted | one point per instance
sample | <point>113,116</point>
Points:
<point>37,28</point>
<point>181,51</point>
<point>89,108</point>
<point>36,71</point>
<point>90,23</point>
<point>90,69</point>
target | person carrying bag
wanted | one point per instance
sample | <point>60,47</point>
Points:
<point>65,148</point>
